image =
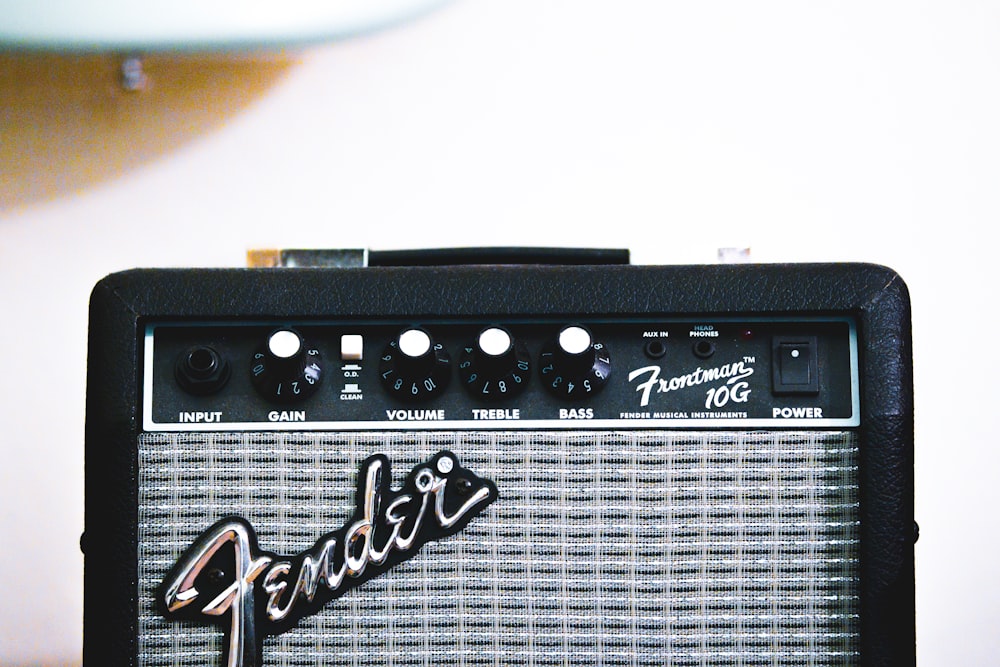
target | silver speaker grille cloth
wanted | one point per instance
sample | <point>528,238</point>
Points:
<point>633,548</point>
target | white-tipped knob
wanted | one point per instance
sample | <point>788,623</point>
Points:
<point>414,343</point>
<point>494,341</point>
<point>574,340</point>
<point>284,344</point>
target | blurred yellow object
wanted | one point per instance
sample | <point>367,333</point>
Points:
<point>67,122</point>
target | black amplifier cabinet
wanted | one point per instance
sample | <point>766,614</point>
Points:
<point>500,465</point>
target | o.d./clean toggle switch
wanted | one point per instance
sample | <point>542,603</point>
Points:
<point>352,347</point>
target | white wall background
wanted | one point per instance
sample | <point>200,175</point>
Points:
<point>860,131</point>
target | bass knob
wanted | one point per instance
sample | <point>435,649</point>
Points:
<point>574,364</point>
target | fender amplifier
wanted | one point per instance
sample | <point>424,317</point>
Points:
<point>490,464</point>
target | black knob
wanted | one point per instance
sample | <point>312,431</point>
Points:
<point>495,366</point>
<point>573,364</point>
<point>286,368</point>
<point>414,367</point>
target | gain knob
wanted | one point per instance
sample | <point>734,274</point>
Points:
<point>285,368</point>
<point>574,365</point>
<point>414,367</point>
<point>496,366</point>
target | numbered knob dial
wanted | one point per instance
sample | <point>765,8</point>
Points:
<point>574,365</point>
<point>495,366</point>
<point>286,368</point>
<point>414,367</point>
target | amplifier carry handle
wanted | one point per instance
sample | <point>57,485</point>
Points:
<point>313,258</point>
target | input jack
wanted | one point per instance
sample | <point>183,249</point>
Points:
<point>201,370</point>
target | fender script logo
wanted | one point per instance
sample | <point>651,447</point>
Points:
<point>224,578</point>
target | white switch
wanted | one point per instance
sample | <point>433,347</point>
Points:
<point>352,347</point>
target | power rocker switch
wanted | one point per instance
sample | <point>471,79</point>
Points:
<point>794,369</point>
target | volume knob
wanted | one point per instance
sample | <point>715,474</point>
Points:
<point>574,365</point>
<point>414,367</point>
<point>286,368</point>
<point>496,366</point>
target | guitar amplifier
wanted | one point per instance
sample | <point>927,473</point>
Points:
<point>495,464</point>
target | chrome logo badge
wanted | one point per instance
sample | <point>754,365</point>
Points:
<point>225,579</point>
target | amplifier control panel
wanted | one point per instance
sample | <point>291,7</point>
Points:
<point>343,375</point>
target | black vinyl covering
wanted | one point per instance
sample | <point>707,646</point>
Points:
<point>874,295</point>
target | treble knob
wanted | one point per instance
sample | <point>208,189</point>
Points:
<point>496,366</point>
<point>286,368</point>
<point>574,364</point>
<point>414,367</point>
